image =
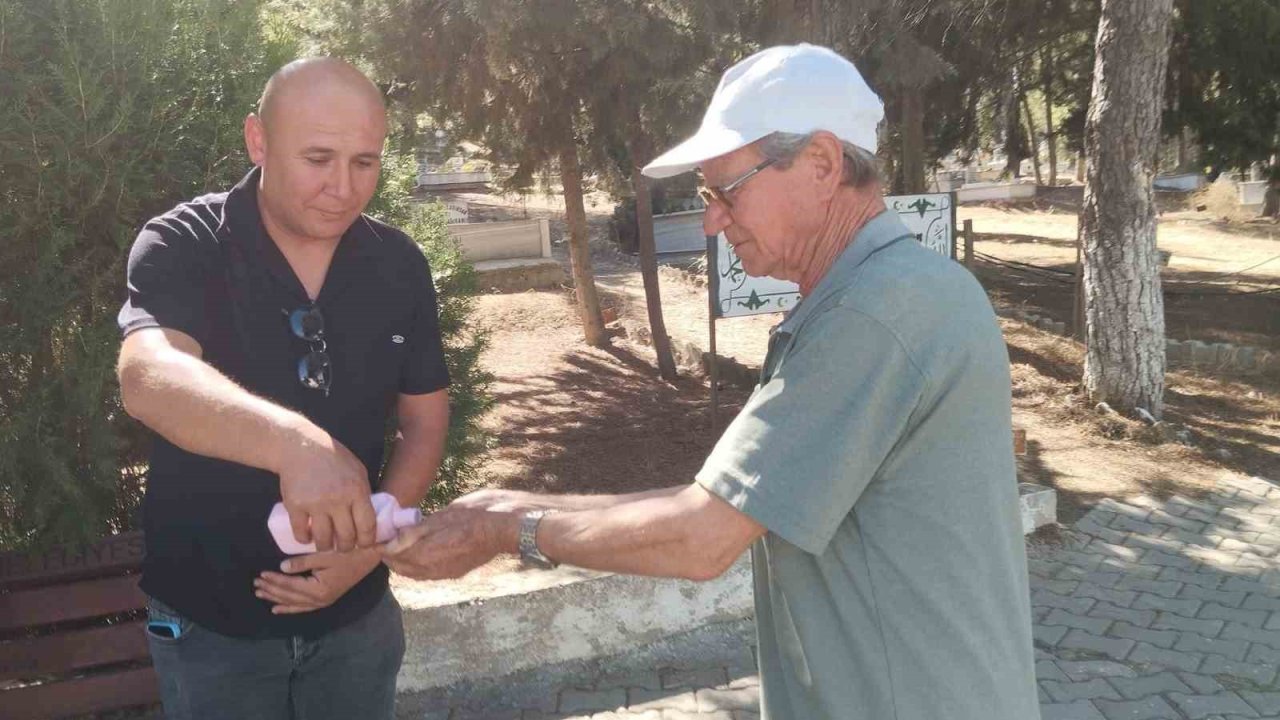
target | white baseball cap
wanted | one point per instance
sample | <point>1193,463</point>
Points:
<point>789,88</point>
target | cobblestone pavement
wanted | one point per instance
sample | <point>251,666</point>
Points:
<point>1163,609</point>
<point>1151,610</point>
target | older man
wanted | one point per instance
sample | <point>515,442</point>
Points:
<point>269,333</point>
<point>871,472</point>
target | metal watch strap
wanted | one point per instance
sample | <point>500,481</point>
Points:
<point>529,551</point>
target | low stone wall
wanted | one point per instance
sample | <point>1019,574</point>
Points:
<point>1226,356</point>
<point>510,240</point>
<point>533,618</point>
<point>983,192</point>
<point>519,275</point>
<point>1179,353</point>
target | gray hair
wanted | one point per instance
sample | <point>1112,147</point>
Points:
<point>860,166</point>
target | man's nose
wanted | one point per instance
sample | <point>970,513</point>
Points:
<point>716,219</point>
<point>340,181</point>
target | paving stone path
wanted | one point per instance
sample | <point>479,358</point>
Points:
<point>1163,609</point>
<point>1151,610</point>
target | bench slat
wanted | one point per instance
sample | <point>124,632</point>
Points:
<point>60,653</point>
<point>111,556</point>
<point>90,598</point>
<point>96,693</point>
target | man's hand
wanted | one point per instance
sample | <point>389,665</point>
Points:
<point>451,542</point>
<point>332,575</point>
<point>325,488</point>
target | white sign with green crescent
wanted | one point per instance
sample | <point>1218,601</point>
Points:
<point>931,217</point>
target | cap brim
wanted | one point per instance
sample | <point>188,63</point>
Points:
<point>707,143</point>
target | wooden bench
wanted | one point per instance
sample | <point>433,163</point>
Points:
<point>1019,440</point>
<point>72,637</point>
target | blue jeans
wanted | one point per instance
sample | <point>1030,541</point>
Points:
<point>348,673</point>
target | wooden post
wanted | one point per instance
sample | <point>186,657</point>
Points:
<point>968,244</point>
<point>713,281</point>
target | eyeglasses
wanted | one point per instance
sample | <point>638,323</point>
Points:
<point>710,194</point>
<point>314,369</point>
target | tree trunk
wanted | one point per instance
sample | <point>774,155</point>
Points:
<point>889,164</point>
<point>912,140</point>
<point>1050,135</point>
<point>584,282</point>
<point>1180,154</point>
<point>1014,152</point>
<point>649,261</point>
<point>1271,201</point>
<point>1031,139</point>
<point>1124,308</point>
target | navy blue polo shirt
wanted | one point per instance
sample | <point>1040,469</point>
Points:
<point>209,269</point>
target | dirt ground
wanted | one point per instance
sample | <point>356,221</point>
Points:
<point>1210,257</point>
<point>570,418</point>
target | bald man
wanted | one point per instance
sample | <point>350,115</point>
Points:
<point>270,333</point>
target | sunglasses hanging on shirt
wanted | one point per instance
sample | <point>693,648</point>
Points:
<point>314,369</point>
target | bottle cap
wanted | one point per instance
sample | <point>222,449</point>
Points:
<point>404,517</point>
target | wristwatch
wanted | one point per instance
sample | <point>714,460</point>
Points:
<point>529,551</point>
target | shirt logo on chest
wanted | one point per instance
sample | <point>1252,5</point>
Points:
<point>397,339</point>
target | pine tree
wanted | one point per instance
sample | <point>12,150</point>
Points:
<point>110,111</point>
<point>505,73</point>
<point>1124,307</point>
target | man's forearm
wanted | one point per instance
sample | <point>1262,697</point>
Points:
<point>196,407</point>
<point>415,460</point>
<point>657,533</point>
<point>575,503</point>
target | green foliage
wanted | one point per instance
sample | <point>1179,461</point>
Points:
<point>455,280</point>
<point>110,111</point>
<point>523,77</point>
<point>1223,79</point>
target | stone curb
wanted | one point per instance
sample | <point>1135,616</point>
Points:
<point>534,618</point>
<point>1178,353</point>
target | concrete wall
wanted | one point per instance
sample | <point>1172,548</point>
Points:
<point>973,175</point>
<point>538,618</point>
<point>503,240</point>
<point>1184,182</point>
<point>679,232</point>
<point>457,211</point>
<point>430,179</point>
<point>946,181</point>
<point>1252,194</point>
<point>979,192</point>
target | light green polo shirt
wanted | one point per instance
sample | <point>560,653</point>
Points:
<point>878,452</point>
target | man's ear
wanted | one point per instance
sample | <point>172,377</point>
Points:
<point>255,138</point>
<point>826,160</point>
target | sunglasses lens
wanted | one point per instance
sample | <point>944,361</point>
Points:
<point>307,323</point>
<point>313,370</point>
